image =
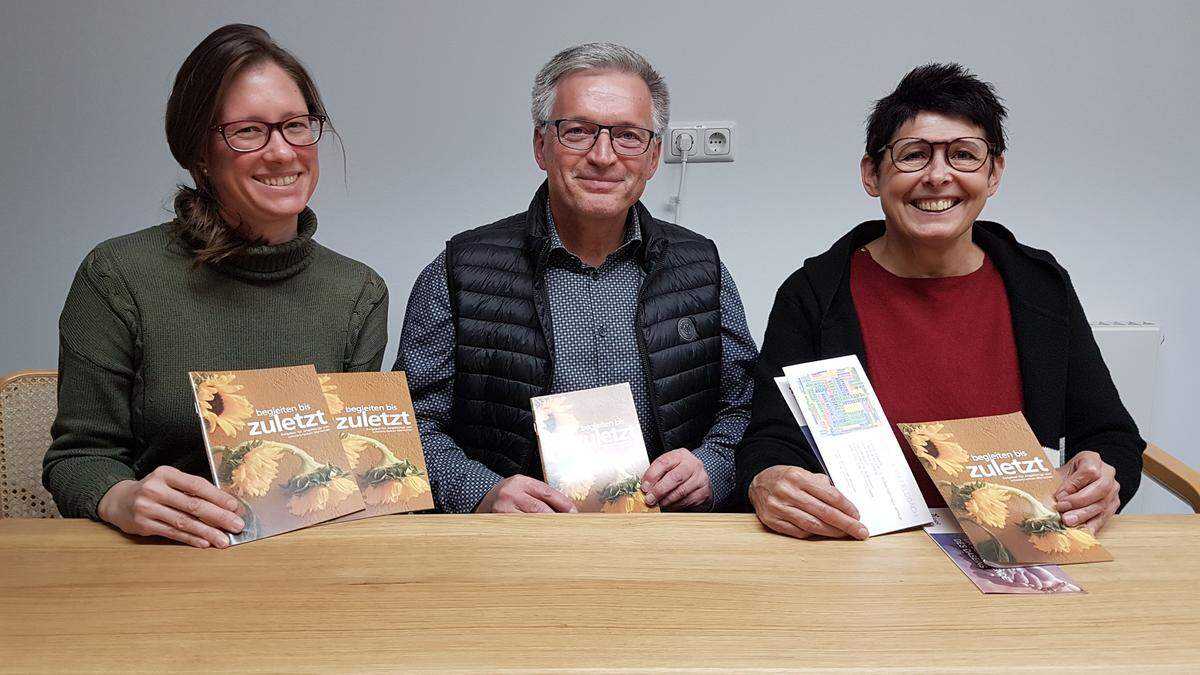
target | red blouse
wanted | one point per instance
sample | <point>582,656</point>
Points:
<point>937,349</point>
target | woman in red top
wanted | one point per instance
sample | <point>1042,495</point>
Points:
<point>951,316</point>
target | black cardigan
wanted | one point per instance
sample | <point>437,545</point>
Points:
<point>1067,389</point>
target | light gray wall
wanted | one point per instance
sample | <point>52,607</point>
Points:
<point>432,100</point>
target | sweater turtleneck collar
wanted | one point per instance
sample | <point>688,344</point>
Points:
<point>269,262</point>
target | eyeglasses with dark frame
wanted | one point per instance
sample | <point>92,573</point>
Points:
<point>626,140</point>
<point>250,135</point>
<point>965,154</point>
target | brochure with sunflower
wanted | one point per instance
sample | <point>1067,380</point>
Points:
<point>272,445</point>
<point>373,416</point>
<point>999,485</point>
<point>592,449</point>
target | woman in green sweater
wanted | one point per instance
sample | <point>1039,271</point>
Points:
<point>236,281</point>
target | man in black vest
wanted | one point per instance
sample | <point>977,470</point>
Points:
<point>583,289</point>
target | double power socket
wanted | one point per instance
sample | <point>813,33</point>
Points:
<point>700,141</point>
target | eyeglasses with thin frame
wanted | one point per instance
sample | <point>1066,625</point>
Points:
<point>626,140</point>
<point>965,154</point>
<point>250,135</point>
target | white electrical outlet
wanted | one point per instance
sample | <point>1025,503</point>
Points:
<point>684,141</point>
<point>709,142</point>
<point>717,142</point>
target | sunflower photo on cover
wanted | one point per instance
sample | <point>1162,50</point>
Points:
<point>221,406</point>
<point>391,479</point>
<point>250,470</point>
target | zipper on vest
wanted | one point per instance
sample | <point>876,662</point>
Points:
<point>644,352</point>
<point>539,308</point>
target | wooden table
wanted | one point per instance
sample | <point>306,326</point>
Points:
<point>654,592</point>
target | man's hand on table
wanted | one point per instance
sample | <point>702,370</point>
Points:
<point>677,480</point>
<point>173,504</point>
<point>522,494</point>
<point>799,503</point>
<point>1090,493</point>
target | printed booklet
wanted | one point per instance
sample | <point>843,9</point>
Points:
<point>999,485</point>
<point>271,444</point>
<point>373,416</point>
<point>844,423</point>
<point>946,533</point>
<point>592,449</point>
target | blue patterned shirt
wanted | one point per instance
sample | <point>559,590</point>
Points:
<point>593,317</point>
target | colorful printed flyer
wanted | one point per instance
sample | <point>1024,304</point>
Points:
<point>946,533</point>
<point>999,485</point>
<point>592,449</point>
<point>373,416</point>
<point>271,444</point>
<point>855,443</point>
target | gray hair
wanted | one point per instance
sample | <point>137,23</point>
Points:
<point>599,56</point>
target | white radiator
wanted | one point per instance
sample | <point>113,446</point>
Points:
<point>1130,350</point>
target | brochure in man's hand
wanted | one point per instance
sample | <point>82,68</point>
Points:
<point>947,534</point>
<point>999,485</point>
<point>837,410</point>
<point>374,418</point>
<point>271,444</point>
<point>592,449</point>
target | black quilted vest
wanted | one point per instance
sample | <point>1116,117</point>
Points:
<point>504,351</point>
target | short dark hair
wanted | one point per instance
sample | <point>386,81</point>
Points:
<point>191,113</point>
<point>945,88</point>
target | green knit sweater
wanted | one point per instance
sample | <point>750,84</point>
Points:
<point>140,315</point>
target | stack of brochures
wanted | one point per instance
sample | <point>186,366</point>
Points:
<point>297,448</point>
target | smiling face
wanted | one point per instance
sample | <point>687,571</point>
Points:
<point>937,205</point>
<point>262,191</point>
<point>597,184</point>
